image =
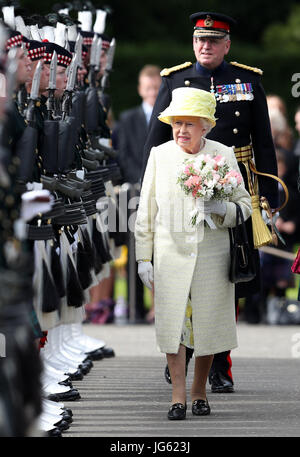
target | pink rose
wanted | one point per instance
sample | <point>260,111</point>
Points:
<point>234,174</point>
<point>187,170</point>
<point>218,158</point>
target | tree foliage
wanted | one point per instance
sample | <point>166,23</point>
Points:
<point>284,37</point>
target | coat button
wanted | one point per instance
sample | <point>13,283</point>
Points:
<point>235,131</point>
<point>187,83</point>
<point>238,81</point>
<point>237,113</point>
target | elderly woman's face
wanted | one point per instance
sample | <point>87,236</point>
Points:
<point>188,132</point>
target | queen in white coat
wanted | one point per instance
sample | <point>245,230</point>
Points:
<point>191,263</point>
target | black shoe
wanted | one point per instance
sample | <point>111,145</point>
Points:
<point>71,395</point>
<point>54,432</point>
<point>66,417</point>
<point>220,383</point>
<point>200,408</point>
<point>76,376</point>
<point>177,411</point>
<point>67,383</point>
<point>68,411</point>
<point>167,375</point>
<point>62,425</point>
<point>84,368</point>
<point>96,355</point>
<point>108,352</point>
<point>88,361</point>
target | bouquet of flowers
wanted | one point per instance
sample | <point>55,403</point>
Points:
<point>207,177</point>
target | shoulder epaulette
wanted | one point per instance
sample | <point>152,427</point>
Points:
<point>247,67</point>
<point>168,71</point>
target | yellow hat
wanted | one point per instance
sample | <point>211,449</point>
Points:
<point>188,101</point>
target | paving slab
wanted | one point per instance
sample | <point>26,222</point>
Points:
<point>127,396</point>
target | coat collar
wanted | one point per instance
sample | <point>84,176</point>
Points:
<point>202,71</point>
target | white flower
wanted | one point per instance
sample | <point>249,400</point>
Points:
<point>233,181</point>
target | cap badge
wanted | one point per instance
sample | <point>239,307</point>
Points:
<point>208,22</point>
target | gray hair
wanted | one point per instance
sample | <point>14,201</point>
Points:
<point>206,124</point>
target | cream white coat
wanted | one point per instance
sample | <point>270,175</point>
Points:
<point>187,259</point>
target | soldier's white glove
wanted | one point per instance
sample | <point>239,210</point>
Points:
<point>35,202</point>
<point>266,217</point>
<point>214,207</point>
<point>145,271</point>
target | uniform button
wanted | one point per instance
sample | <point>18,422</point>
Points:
<point>238,81</point>
<point>237,113</point>
<point>235,131</point>
<point>9,200</point>
<point>187,83</point>
<point>16,161</point>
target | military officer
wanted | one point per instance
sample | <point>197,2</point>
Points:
<point>243,122</point>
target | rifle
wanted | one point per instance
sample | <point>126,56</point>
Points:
<point>34,95</point>
<point>22,98</point>
<point>67,96</point>
<point>52,86</point>
<point>109,65</point>
<point>27,144</point>
<point>78,49</point>
<point>68,132</point>
<point>93,62</point>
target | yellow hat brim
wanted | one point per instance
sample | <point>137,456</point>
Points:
<point>168,119</point>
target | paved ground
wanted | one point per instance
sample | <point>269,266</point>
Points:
<point>127,396</point>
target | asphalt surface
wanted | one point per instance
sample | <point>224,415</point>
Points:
<point>127,396</point>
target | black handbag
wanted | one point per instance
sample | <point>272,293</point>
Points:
<point>242,267</point>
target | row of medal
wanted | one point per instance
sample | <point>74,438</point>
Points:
<point>234,92</point>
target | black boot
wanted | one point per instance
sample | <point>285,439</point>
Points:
<point>189,355</point>
<point>220,377</point>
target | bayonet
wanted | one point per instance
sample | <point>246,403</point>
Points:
<point>93,61</point>
<point>67,97</point>
<point>98,54</point>
<point>72,74</point>
<point>93,56</point>
<point>110,56</point>
<point>52,86</point>
<point>34,94</point>
<point>78,49</point>
<point>11,70</point>
<point>109,64</point>
<point>52,76</point>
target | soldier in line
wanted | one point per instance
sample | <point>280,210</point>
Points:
<point>34,166</point>
<point>243,123</point>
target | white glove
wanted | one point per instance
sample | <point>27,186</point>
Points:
<point>145,271</point>
<point>214,207</point>
<point>266,217</point>
<point>35,202</point>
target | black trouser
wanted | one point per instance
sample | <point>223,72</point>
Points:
<point>222,361</point>
<point>140,310</point>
